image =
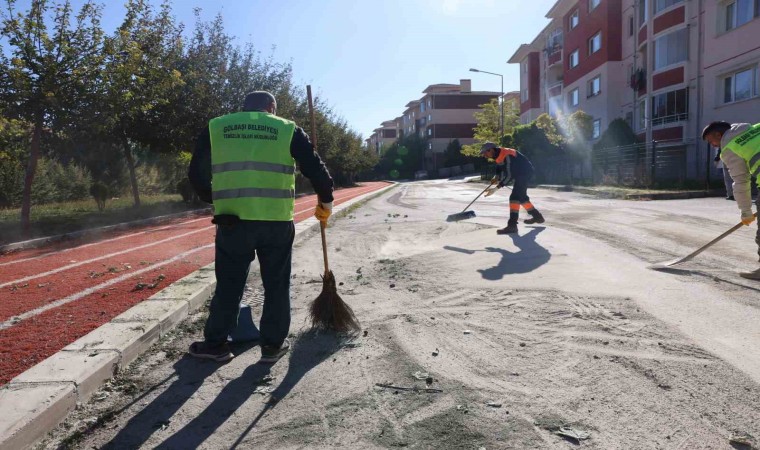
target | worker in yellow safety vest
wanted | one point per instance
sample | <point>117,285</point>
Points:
<point>245,163</point>
<point>739,145</point>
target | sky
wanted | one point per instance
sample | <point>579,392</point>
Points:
<point>369,58</point>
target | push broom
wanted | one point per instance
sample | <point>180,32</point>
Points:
<point>669,264</point>
<point>328,311</point>
<point>468,214</point>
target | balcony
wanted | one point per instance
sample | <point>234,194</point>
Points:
<point>553,55</point>
<point>553,90</point>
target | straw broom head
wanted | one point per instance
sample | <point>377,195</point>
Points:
<point>330,312</point>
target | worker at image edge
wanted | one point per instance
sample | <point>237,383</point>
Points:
<point>739,145</point>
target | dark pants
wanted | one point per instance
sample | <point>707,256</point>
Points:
<point>519,197</point>
<point>236,247</point>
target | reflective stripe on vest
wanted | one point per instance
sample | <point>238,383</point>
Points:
<point>253,174</point>
<point>252,165</point>
<point>253,192</point>
<point>747,147</point>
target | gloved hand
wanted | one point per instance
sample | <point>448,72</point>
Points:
<point>323,211</point>
<point>495,179</point>
<point>491,191</point>
<point>747,220</point>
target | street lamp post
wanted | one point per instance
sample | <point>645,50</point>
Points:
<point>501,100</point>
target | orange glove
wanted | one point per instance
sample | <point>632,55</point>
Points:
<point>747,220</point>
<point>323,211</point>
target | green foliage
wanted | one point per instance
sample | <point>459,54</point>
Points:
<point>487,129</point>
<point>128,106</point>
<point>578,129</point>
<point>618,134</point>
<point>402,158</point>
<point>551,128</point>
<point>453,156</point>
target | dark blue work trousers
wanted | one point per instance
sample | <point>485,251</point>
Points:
<point>237,245</point>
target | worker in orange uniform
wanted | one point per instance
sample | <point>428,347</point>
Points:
<point>514,166</point>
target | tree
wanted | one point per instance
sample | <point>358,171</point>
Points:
<point>140,77</point>
<point>550,127</point>
<point>488,129</point>
<point>618,134</point>
<point>50,71</point>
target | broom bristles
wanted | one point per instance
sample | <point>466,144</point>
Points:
<point>330,312</point>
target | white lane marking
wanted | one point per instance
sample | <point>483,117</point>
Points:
<point>17,319</point>
<point>44,255</point>
<point>110,255</point>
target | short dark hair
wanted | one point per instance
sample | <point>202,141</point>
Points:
<point>258,101</point>
<point>719,126</point>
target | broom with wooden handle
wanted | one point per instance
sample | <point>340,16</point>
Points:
<point>328,311</point>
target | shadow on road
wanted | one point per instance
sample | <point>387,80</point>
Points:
<point>190,374</point>
<point>309,350</point>
<point>531,256</point>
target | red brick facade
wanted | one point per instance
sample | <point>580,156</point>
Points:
<point>668,78</point>
<point>534,83</point>
<point>669,19</point>
<point>605,18</point>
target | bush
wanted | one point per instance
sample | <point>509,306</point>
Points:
<point>185,189</point>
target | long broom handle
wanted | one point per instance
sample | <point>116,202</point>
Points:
<point>711,243</point>
<point>314,143</point>
<point>476,198</point>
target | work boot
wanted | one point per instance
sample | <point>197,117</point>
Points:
<point>272,354</point>
<point>535,217</point>
<point>215,352</point>
<point>511,228</point>
<point>754,275</point>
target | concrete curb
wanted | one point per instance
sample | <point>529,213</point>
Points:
<point>33,243</point>
<point>673,195</point>
<point>38,400</point>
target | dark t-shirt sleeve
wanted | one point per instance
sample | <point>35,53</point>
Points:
<point>199,171</point>
<point>311,165</point>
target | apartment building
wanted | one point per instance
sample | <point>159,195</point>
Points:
<point>445,112</point>
<point>383,136</point>
<point>666,66</point>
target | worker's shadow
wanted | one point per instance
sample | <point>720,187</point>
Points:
<point>189,374</point>
<point>308,350</point>
<point>531,256</point>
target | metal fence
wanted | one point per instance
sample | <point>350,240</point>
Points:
<point>640,165</point>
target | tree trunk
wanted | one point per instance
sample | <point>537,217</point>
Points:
<point>31,168</point>
<point>132,174</point>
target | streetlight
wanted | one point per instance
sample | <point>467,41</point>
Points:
<point>501,100</point>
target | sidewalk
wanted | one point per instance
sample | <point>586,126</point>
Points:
<point>634,194</point>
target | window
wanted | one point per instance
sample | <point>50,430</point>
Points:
<point>671,48</point>
<point>592,4</point>
<point>572,97</point>
<point>595,43</point>
<point>739,12</point>
<point>524,95</point>
<point>422,107</point>
<point>741,85</point>
<point>430,103</point>
<point>430,131</point>
<point>524,67</point>
<point>573,59</point>
<point>574,19</point>
<point>430,117</point>
<point>670,107</point>
<point>555,39</point>
<point>630,26</point>
<point>643,11</point>
<point>659,5</point>
<point>595,86</point>
<point>597,131</point>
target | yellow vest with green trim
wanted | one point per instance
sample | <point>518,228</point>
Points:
<point>253,174</point>
<point>747,147</point>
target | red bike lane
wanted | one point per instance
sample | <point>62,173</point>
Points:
<point>50,297</point>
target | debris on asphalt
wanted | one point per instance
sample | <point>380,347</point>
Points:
<point>412,389</point>
<point>463,409</point>
<point>366,333</point>
<point>429,381</point>
<point>493,404</point>
<point>420,375</point>
<point>573,434</point>
<point>742,439</point>
<point>467,332</point>
<point>435,352</point>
